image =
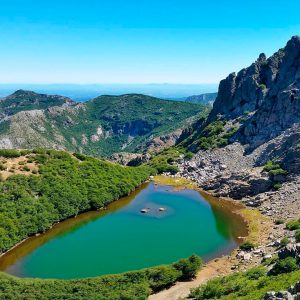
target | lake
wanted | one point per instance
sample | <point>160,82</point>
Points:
<point>121,238</point>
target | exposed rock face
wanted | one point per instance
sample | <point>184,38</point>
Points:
<point>269,89</point>
<point>290,250</point>
<point>293,293</point>
<point>157,144</point>
<point>130,159</point>
<point>264,99</point>
<point>207,98</point>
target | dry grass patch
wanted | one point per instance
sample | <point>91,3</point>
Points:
<point>177,182</point>
<point>259,225</point>
<point>17,165</point>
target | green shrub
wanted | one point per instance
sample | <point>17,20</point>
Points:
<point>189,155</point>
<point>247,246</point>
<point>24,152</point>
<point>189,267</point>
<point>293,225</point>
<point>162,277</point>
<point>80,156</point>
<point>285,265</point>
<point>256,273</point>
<point>250,285</point>
<point>262,86</point>
<point>214,128</point>
<point>297,235</point>
<point>284,241</point>
<point>9,153</point>
<point>279,221</point>
<point>215,289</point>
<point>26,169</point>
<point>278,171</point>
<point>270,165</point>
<point>276,186</point>
<point>2,167</point>
<point>163,161</point>
<point>274,170</point>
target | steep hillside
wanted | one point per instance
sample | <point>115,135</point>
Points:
<point>267,92</point>
<point>102,126</point>
<point>207,98</point>
<point>248,147</point>
<point>256,105</point>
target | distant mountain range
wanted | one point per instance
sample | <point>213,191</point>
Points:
<point>85,92</point>
<point>102,126</point>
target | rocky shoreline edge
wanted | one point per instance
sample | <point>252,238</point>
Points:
<point>264,231</point>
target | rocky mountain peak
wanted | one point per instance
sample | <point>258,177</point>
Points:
<point>267,94</point>
<point>262,58</point>
<point>249,88</point>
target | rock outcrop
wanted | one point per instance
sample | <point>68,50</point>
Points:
<point>293,293</point>
<point>268,92</point>
<point>263,102</point>
<point>207,98</point>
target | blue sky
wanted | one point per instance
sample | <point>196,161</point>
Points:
<point>174,41</point>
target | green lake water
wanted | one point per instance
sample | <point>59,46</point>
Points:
<point>121,238</point>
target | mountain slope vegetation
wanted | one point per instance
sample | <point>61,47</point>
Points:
<point>25,100</point>
<point>102,126</point>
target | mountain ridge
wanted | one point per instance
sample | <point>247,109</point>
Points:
<point>101,126</point>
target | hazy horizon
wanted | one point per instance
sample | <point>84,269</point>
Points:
<point>82,92</point>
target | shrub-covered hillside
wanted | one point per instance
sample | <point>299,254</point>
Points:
<point>136,285</point>
<point>59,186</point>
<point>99,127</point>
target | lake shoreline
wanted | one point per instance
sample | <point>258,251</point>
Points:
<point>225,264</point>
<point>71,218</point>
<point>31,240</point>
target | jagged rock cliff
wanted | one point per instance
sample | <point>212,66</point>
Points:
<point>262,103</point>
<point>267,92</point>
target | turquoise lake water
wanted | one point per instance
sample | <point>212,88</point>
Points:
<point>121,238</point>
